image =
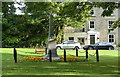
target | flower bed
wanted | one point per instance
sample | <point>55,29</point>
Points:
<point>68,58</point>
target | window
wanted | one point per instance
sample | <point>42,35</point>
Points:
<point>102,43</point>
<point>71,38</point>
<point>109,24</point>
<point>83,30</point>
<point>81,40</point>
<point>69,42</point>
<point>92,13</point>
<point>111,38</point>
<point>91,24</point>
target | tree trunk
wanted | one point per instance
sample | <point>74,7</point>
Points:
<point>62,36</point>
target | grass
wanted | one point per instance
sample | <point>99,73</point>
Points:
<point>108,65</point>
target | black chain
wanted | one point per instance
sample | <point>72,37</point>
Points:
<point>81,52</point>
<point>92,54</point>
<point>70,54</point>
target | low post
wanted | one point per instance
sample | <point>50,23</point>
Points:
<point>86,53</point>
<point>15,55</point>
<point>50,56</point>
<point>45,50</point>
<point>64,55</point>
<point>97,55</point>
<point>76,52</point>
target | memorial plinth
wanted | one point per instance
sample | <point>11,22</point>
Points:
<point>51,45</point>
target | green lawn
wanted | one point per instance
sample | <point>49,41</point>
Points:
<point>108,65</point>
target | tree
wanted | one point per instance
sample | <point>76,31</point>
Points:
<point>20,30</point>
<point>32,27</point>
<point>116,24</point>
<point>8,29</point>
<point>64,14</point>
<point>108,7</point>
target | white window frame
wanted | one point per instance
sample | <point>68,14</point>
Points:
<point>89,24</point>
<point>112,38</point>
<point>111,24</point>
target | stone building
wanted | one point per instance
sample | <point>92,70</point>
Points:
<point>96,30</point>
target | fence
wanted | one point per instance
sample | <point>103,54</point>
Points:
<point>65,60</point>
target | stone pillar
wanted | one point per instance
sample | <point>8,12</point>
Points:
<point>51,46</point>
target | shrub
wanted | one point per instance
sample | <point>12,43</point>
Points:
<point>118,45</point>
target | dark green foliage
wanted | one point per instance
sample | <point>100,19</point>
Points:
<point>118,45</point>
<point>108,7</point>
<point>22,30</point>
<point>31,29</point>
<point>116,24</point>
<point>21,33</point>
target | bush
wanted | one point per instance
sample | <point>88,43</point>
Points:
<point>118,45</point>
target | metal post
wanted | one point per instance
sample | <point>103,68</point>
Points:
<point>86,53</point>
<point>76,52</point>
<point>45,50</point>
<point>97,55</point>
<point>15,55</point>
<point>64,55</point>
<point>50,56</point>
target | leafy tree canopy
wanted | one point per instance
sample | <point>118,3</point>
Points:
<point>31,28</point>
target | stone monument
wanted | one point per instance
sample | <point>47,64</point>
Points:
<point>51,46</point>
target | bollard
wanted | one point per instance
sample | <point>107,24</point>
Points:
<point>50,56</point>
<point>64,55</point>
<point>45,50</point>
<point>76,52</point>
<point>15,55</point>
<point>97,55</point>
<point>86,53</point>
